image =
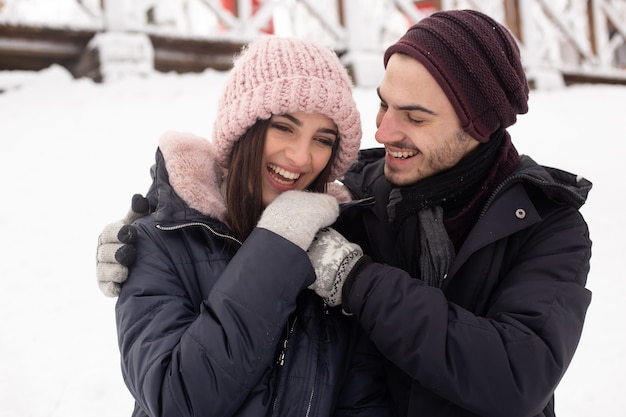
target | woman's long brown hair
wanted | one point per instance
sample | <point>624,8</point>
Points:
<point>244,194</point>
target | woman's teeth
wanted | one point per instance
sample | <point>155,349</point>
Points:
<point>282,174</point>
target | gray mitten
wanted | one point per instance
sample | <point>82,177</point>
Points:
<point>298,215</point>
<point>333,257</point>
<point>116,251</point>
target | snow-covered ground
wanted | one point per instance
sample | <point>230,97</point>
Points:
<point>73,152</point>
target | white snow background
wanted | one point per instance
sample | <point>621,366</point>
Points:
<point>73,152</point>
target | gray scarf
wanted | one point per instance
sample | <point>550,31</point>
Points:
<point>436,248</point>
<point>423,246</point>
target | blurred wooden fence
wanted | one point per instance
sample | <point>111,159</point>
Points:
<point>572,40</point>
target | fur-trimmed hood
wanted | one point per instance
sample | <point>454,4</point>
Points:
<point>193,173</point>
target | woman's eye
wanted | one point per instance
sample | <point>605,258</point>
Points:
<point>326,141</point>
<point>281,127</point>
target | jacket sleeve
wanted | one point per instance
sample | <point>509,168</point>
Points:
<point>508,359</point>
<point>185,352</point>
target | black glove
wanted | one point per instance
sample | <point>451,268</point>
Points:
<point>116,251</point>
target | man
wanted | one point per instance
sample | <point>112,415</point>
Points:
<point>497,241</point>
<point>474,284</point>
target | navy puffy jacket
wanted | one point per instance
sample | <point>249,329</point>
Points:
<point>208,326</point>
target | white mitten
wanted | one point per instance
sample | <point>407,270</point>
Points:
<point>298,215</point>
<point>333,257</point>
<point>115,251</point>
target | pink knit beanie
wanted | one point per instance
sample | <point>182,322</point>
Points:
<point>275,75</point>
<point>476,61</point>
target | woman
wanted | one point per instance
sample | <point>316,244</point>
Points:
<point>215,318</point>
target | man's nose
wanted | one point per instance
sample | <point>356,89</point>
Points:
<point>388,130</point>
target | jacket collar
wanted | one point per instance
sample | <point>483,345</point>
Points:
<point>187,179</point>
<point>513,200</point>
<point>556,185</point>
<point>559,186</point>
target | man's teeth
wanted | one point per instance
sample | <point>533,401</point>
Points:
<point>284,173</point>
<point>403,154</point>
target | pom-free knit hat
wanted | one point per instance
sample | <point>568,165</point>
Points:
<point>275,75</point>
<point>476,61</point>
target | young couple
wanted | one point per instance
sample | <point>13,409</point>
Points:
<point>242,301</point>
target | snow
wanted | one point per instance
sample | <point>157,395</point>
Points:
<point>73,153</point>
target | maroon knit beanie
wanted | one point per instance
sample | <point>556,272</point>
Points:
<point>476,61</point>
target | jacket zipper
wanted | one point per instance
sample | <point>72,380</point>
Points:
<point>206,226</point>
<point>326,336</point>
<point>281,357</point>
<point>308,408</point>
<point>326,340</point>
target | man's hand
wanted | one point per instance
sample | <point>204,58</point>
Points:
<point>333,257</point>
<point>116,250</point>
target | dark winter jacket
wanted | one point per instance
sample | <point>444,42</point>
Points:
<point>499,336</point>
<point>209,326</point>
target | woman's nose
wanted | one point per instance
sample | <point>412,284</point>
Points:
<point>299,152</point>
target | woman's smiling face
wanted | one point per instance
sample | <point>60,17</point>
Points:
<point>298,146</point>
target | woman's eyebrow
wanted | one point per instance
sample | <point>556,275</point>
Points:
<point>327,130</point>
<point>293,119</point>
<point>298,122</point>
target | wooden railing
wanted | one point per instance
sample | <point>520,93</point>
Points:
<point>563,40</point>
